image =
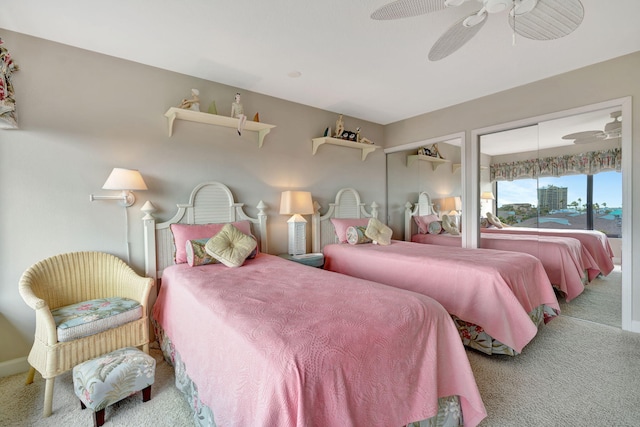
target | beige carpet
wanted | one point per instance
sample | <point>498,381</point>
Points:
<point>601,301</point>
<point>21,404</point>
<point>574,373</point>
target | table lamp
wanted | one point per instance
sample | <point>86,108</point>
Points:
<point>296,203</point>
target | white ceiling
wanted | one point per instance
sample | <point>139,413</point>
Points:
<point>350,64</point>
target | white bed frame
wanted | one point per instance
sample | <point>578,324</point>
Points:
<point>347,205</point>
<point>209,202</point>
<point>423,207</point>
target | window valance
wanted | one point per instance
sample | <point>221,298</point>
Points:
<point>584,163</point>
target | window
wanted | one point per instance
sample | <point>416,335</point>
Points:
<point>587,202</point>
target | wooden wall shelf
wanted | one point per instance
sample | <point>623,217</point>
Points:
<point>366,148</point>
<point>213,119</point>
<point>435,161</point>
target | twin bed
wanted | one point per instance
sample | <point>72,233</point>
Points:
<point>274,342</point>
<point>497,299</point>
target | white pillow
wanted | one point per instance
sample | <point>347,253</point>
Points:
<point>494,220</point>
<point>378,232</point>
<point>230,246</point>
<point>449,225</point>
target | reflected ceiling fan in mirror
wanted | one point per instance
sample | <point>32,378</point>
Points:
<point>612,129</point>
<point>533,19</point>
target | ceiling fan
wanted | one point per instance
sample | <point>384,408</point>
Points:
<point>612,129</point>
<point>533,19</point>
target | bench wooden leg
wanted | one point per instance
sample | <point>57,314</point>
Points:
<point>98,418</point>
<point>146,394</point>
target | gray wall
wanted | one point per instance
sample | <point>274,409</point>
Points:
<point>82,113</point>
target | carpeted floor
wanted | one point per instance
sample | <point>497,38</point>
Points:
<point>574,373</point>
<point>21,404</point>
<point>601,301</point>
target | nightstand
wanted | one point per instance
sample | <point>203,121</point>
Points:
<point>312,259</point>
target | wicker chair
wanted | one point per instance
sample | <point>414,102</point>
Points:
<point>71,278</point>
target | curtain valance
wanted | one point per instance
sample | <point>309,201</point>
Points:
<point>584,163</point>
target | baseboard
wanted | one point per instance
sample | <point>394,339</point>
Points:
<point>635,326</point>
<point>15,366</point>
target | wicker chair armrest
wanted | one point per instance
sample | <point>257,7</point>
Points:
<point>29,297</point>
<point>131,285</point>
<point>46,329</point>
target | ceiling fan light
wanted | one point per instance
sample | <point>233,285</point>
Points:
<point>475,19</point>
<point>497,6</point>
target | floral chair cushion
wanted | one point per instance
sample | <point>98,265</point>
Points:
<point>108,379</point>
<point>91,317</point>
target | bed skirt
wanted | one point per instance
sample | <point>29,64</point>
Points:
<point>473,336</point>
<point>449,409</point>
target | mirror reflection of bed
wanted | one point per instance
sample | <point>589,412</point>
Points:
<point>566,201</point>
<point>601,301</point>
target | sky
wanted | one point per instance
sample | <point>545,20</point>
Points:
<point>607,188</point>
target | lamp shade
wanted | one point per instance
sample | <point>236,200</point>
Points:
<point>487,195</point>
<point>124,179</point>
<point>451,204</point>
<point>296,202</point>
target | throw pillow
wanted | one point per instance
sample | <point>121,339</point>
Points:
<point>230,246</point>
<point>378,232</point>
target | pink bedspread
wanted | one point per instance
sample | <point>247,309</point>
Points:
<point>594,242</point>
<point>561,257</point>
<point>275,343</point>
<point>493,289</point>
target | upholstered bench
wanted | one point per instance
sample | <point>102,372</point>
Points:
<point>112,377</point>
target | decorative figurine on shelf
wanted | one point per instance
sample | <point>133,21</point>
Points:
<point>339,126</point>
<point>256,118</point>
<point>435,152</point>
<point>237,111</point>
<point>431,151</point>
<point>8,115</point>
<point>212,108</point>
<point>424,151</point>
<point>362,139</point>
<point>193,103</point>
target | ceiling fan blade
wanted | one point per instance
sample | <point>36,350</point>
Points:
<point>407,8</point>
<point>586,140</point>
<point>587,134</point>
<point>454,38</point>
<point>548,20</point>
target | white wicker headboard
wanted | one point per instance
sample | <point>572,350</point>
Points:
<point>347,205</point>
<point>209,202</point>
<point>423,207</point>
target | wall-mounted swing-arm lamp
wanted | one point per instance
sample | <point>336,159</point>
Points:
<point>125,180</point>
